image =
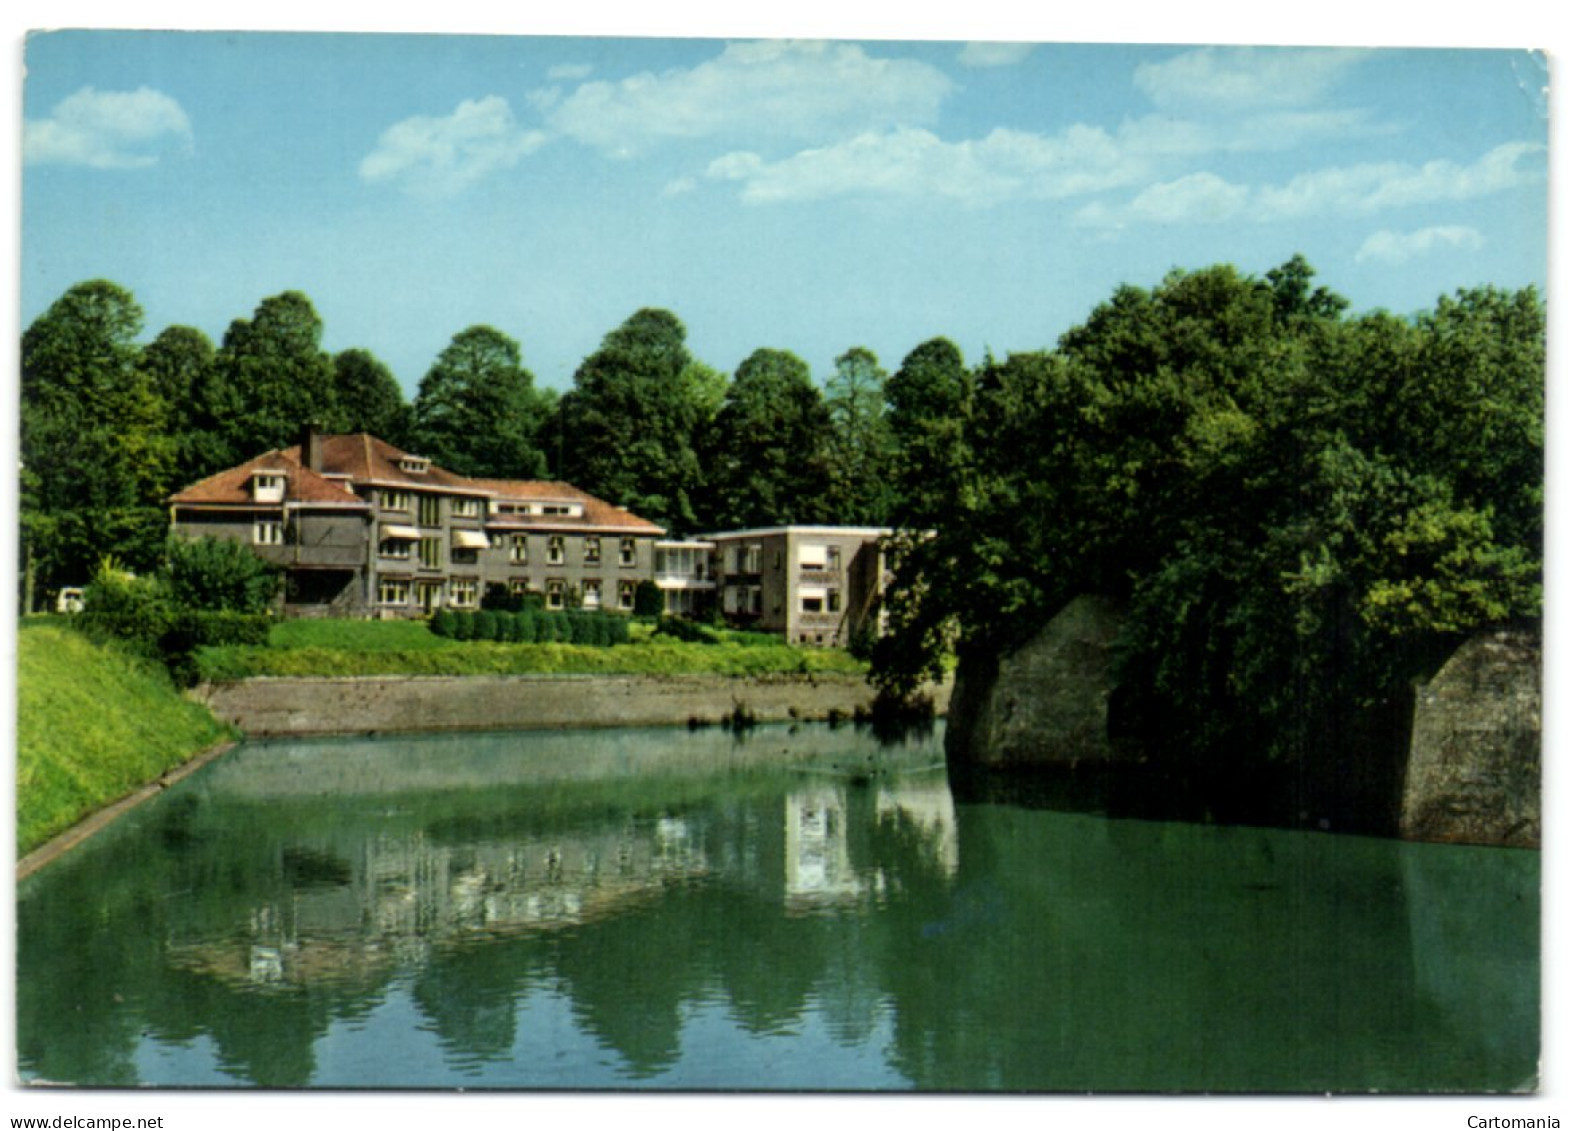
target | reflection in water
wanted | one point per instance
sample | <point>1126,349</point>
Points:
<point>803,909</point>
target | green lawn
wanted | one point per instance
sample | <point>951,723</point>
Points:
<point>93,724</point>
<point>356,647</point>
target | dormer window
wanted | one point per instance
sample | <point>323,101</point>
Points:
<point>267,487</point>
<point>414,465</point>
<point>467,508</point>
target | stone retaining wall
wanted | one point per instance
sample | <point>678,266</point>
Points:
<point>1045,704</point>
<point>1473,768</point>
<point>262,707</point>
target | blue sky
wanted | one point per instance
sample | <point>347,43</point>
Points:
<point>809,195</point>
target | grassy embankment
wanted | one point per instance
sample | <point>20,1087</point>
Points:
<point>370,648</point>
<point>93,724</point>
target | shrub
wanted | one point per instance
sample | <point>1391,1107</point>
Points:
<point>685,631</point>
<point>648,600</point>
<point>219,574</point>
<point>498,598</point>
<point>442,623</point>
<point>485,625</point>
<point>135,610</point>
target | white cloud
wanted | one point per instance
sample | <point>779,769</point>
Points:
<point>1353,190</point>
<point>994,54</point>
<point>1197,198</point>
<point>569,72</point>
<point>1361,189</point>
<point>775,88</point>
<point>108,130</point>
<point>1245,78</point>
<point>1005,165</point>
<point>444,155</point>
<point>1395,248</point>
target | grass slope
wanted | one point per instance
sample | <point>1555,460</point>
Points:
<point>93,724</point>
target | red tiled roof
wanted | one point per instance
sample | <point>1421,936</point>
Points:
<point>360,458</point>
<point>233,487</point>
<point>366,459</point>
<point>597,512</point>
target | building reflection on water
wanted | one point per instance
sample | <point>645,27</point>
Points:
<point>361,913</point>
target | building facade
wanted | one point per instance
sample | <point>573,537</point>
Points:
<point>361,528</point>
<point>813,584</point>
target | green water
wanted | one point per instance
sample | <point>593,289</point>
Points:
<point>665,909</point>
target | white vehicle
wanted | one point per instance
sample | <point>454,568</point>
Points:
<point>69,601</point>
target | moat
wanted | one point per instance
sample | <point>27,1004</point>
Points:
<point>789,908</point>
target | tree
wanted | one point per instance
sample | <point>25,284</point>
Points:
<point>219,575</point>
<point>270,378</point>
<point>629,423</point>
<point>861,444</point>
<point>1299,512</point>
<point>179,364</point>
<point>767,451</point>
<point>477,411</point>
<point>928,399</point>
<point>369,396</point>
<point>96,465</point>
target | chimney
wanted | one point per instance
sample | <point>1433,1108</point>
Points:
<point>311,448</point>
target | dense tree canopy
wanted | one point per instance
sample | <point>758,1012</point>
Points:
<point>1298,510</point>
<point>767,456</point>
<point>477,411</point>
<point>628,426</point>
<point>269,378</point>
<point>96,461</point>
<point>860,446</point>
<point>369,397</point>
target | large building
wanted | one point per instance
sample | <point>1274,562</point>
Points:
<point>813,584</point>
<point>362,528</point>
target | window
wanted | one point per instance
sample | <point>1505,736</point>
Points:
<point>832,558</point>
<point>813,557</point>
<point>556,550</point>
<point>267,487</point>
<point>414,465</point>
<point>834,600</point>
<point>396,548</point>
<point>591,594</point>
<point>462,592</point>
<point>591,551</point>
<point>624,594</point>
<point>431,553</point>
<point>467,545</point>
<point>812,604</point>
<point>753,560</point>
<point>467,508</point>
<point>392,591</point>
<point>518,587</point>
<point>518,549</point>
<point>430,510</point>
<point>268,532</point>
<point>629,552</point>
<point>812,598</point>
<point>397,501</point>
<point>555,594</point>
